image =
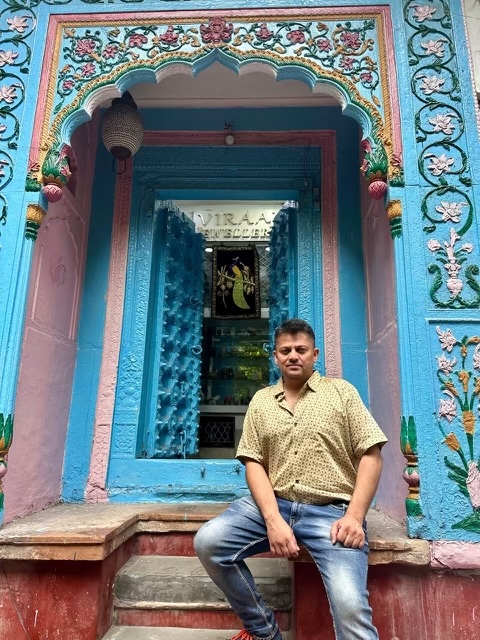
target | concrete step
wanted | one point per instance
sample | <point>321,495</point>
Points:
<point>170,582</point>
<point>172,633</point>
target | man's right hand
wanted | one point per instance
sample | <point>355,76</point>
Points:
<point>283,543</point>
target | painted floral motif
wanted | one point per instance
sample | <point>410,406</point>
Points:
<point>85,47</point>
<point>448,408</point>
<point>452,259</point>
<point>434,47</point>
<point>8,93</point>
<point>431,84</point>
<point>423,12</point>
<point>296,36</point>
<point>462,389</point>
<point>351,40</point>
<point>217,31</point>
<point>444,364</point>
<point>88,70</point>
<point>443,123</point>
<point>7,57</point>
<point>18,23</point>
<point>263,33</point>
<point>169,37</point>
<point>439,164</point>
<point>447,339</point>
<point>451,211</point>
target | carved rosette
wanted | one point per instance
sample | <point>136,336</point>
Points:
<point>35,215</point>
<point>394,213</point>
<point>6,436</point>
<point>408,443</point>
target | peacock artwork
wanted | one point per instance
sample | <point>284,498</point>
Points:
<point>235,282</point>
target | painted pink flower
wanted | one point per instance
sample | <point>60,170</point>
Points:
<point>423,12</point>
<point>137,39</point>
<point>169,37</point>
<point>18,23</point>
<point>447,339</point>
<point>3,128</point>
<point>351,40</point>
<point>324,44</point>
<point>68,85</point>
<point>8,94</point>
<point>445,365</point>
<point>7,57</point>
<point>346,63</point>
<point>110,51</point>
<point>85,47</point>
<point>448,408</point>
<point>296,36</point>
<point>264,33</point>
<point>216,31</point>
<point>88,70</point>
<point>366,77</point>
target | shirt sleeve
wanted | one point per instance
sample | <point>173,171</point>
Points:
<point>364,431</point>
<point>249,445</point>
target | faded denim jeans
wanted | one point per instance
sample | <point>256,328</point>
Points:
<point>223,543</point>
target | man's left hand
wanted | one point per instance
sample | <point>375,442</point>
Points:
<point>349,531</point>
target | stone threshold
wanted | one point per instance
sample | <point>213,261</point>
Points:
<point>91,532</point>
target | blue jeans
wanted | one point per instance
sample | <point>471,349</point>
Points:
<point>223,543</point>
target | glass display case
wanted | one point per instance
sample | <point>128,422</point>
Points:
<point>234,363</point>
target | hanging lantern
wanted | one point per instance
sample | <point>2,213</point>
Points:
<point>122,128</point>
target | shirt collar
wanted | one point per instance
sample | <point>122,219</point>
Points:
<point>313,384</point>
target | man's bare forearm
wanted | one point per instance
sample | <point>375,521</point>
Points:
<point>280,535</point>
<point>368,475</point>
<point>261,490</point>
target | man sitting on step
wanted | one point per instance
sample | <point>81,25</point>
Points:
<point>312,455</point>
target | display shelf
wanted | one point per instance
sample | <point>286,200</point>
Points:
<point>235,361</point>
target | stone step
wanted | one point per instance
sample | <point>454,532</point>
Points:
<point>172,633</point>
<point>170,582</point>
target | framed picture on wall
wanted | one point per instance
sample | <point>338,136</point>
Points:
<point>235,282</point>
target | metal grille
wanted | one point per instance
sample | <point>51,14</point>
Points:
<point>264,262</point>
<point>217,431</point>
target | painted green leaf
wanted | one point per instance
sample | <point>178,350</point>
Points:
<point>455,467</point>
<point>470,523</point>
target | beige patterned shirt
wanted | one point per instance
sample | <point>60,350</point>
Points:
<point>310,454</point>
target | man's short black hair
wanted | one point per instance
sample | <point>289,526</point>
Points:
<point>292,327</point>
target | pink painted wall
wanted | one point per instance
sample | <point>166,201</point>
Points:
<point>49,347</point>
<point>382,350</point>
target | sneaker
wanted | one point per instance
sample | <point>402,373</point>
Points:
<point>243,635</point>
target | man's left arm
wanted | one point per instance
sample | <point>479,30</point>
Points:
<point>349,529</point>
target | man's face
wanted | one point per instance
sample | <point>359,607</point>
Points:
<point>295,356</point>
